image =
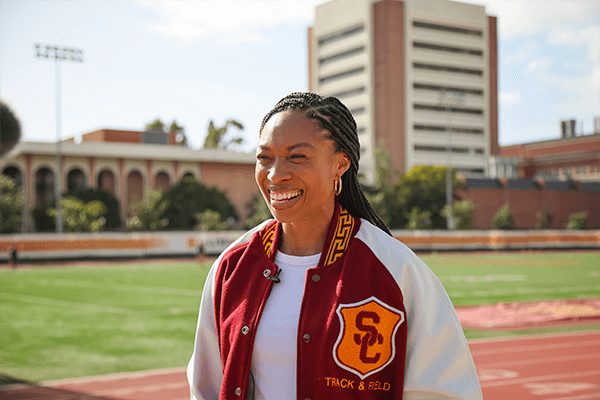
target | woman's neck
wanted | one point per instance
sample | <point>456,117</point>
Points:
<point>305,238</point>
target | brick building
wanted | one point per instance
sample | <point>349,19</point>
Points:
<point>127,163</point>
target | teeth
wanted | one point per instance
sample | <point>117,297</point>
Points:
<point>284,196</point>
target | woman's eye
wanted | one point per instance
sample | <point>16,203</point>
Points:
<point>297,157</point>
<point>262,158</point>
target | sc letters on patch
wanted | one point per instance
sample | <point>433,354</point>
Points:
<point>366,343</point>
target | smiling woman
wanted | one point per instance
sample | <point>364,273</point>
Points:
<point>322,302</point>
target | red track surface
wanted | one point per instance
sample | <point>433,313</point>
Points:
<point>557,367</point>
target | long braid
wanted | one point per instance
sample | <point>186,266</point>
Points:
<point>338,120</point>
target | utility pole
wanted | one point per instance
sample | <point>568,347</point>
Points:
<point>449,98</point>
<point>59,54</point>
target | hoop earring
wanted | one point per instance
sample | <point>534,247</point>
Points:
<point>337,186</point>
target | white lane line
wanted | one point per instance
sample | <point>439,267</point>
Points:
<point>538,337</point>
<point>589,396</point>
<point>540,378</point>
<point>595,356</point>
<point>113,286</point>
<point>508,349</point>
<point>67,303</point>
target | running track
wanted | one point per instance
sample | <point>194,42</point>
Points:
<point>551,367</point>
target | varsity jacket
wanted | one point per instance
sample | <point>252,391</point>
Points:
<point>375,322</point>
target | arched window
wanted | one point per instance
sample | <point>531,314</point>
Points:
<point>162,181</point>
<point>75,179</point>
<point>135,187</point>
<point>44,186</point>
<point>106,180</point>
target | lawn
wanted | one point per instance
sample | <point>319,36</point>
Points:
<point>64,321</point>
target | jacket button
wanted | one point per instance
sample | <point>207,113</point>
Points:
<point>266,272</point>
<point>306,338</point>
<point>316,278</point>
<point>238,391</point>
<point>245,330</point>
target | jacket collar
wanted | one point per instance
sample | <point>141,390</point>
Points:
<point>341,229</point>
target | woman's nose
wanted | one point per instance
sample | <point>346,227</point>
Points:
<point>278,171</point>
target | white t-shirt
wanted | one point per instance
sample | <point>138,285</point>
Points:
<point>275,346</point>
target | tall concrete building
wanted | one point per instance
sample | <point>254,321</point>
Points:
<point>420,77</point>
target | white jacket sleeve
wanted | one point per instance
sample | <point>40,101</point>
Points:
<point>439,364</point>
<point>204,371</point>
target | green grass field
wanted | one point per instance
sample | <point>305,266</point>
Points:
<point>64,321</point>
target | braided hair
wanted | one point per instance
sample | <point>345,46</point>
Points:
<point>337,119</point>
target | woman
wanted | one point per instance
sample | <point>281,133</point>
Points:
<point>322,303</point>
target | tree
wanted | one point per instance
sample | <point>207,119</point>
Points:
<point>424,187</point>
<point>216,136</point>
<point>10,129</point>
<point>189,197</point>
<point>258,211</point>
<point>543,218</point>
<point>180,136</point>
<point>148,216</point>
<point>462,212</point>
<point>503,219</point>
<point>79,216</point>
<point>11,206</point>
<point>384,195</point>
<point>156,124</point>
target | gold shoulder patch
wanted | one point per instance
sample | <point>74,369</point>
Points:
<point>366,342</point>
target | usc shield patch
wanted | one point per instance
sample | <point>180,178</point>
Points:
<point>366,342</point>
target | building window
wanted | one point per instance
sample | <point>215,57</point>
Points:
<point>479,151</point>
<point>441,149</point>
<point>447,28</point>
<point>477,92</point>
<point>360,130</point>
<point>349,93</point>
<point>341,56</point>
<point>459,110</point>
<point>449,49</point>
<point>446,68</point>
<point>341,75</point>
<point>457,129</point>
<point>341,35</point>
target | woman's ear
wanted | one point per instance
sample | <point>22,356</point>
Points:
<point>343,163</point>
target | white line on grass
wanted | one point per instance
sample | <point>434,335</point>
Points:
<point>68,303</point>
<point>507,292</point>
<point>116,286</point>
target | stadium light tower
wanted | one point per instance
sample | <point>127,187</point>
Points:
<point>59,54</point>
<point>449,98</point>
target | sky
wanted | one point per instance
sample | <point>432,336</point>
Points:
<point>197,61</point>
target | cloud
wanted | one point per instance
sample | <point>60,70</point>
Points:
<point>582,92</point>
<point>521,18</point>
<point>530,47</point>
<point>507,98</point>
<point>539,64</point>
<point>569,36</point>
<point>228,21</point>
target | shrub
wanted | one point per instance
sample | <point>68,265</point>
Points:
<point>210,220</point>
<point>543,219</point>
<point>503,219</point>
<point>148,216</point>
<point>418,219</point>
<point>79,216</point>
<point>462,212</point>
<point>577,220</point>
<point>258,211</point>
